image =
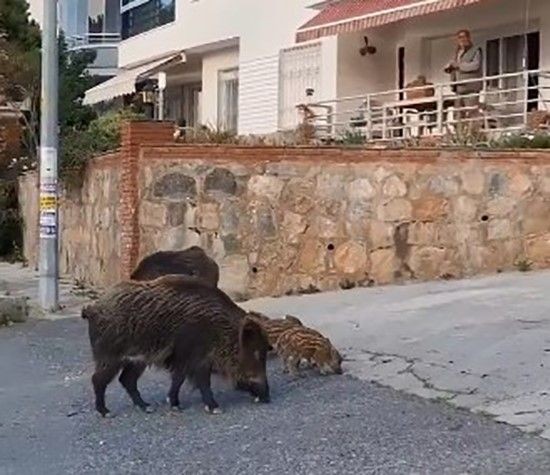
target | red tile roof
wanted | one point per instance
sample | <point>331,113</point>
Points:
<point>354,15</point>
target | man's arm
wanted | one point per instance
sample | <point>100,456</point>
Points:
<point>471,66</point>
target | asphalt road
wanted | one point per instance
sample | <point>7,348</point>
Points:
<point>314,425</point>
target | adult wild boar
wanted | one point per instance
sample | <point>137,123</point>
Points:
<point>182,325</point>
<point>192,261</point>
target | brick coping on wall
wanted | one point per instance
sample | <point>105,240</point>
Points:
<point>334,154</point>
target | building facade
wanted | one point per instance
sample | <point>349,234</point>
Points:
<point>245,65</point>
<point>89,25</point>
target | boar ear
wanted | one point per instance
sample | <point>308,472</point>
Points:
<point>294,320</point>
<point>251,335</point>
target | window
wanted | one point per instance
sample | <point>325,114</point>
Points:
<point>139,17</point>
<point>228,99</point>
<point>512,54</point>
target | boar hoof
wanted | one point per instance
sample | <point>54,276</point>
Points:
<point>257,399</point>
<point>213,410</point>
<point>148,409</point>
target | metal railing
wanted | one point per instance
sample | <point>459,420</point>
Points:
<point>93,39</point>
<point>492,104</point>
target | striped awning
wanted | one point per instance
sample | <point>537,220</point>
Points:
<point>346,16</point>
<point>125,82</point>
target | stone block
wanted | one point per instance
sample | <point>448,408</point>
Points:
<point>360,191</point>
<point>327,228</point>
<point>430,208</point>
<point>298,195</point>
<point>465,209</point>
<point>153,215</point>
<point>501,206</point>
<point>13,309</point>
<point>444,185</point>
<point>176,214</point>
<point>422,233</point>
<point>538,251</point>
<point>536,216</point>
<point>350,258</point>
<point>175,186</point>
<point>294,226</point>
<point>220,180</point>
<point>498,184</point>
<point>311,259</point>
<point>330,186</point>
<point>520,184</point>
<point>426,262</point>
<point>380,234</point>
<point>394,187</point>
<point>208,216</point>
<point>234,275</point>
<point>473,181</point>
<point>397,209</point>
<point>500,229</point>
<point>384,264</point>
<point>267,186</point>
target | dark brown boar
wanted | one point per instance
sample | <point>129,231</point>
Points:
<point>179,324</point>
<point>192,261</point>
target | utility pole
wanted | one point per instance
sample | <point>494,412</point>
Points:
<point>48,265</point>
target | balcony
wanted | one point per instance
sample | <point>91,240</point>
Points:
<point>507,103</point>
<point>105,46</point>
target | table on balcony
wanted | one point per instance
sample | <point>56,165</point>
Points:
<point>431,107</point>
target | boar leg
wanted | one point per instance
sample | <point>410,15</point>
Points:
<point>203,383</point>
<point>104,374</point>
<point>129,378</point>
<point>178,377</point>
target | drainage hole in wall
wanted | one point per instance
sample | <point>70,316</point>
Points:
<point>330,247</point>
<point>254,270</point>
<point>485,218</point>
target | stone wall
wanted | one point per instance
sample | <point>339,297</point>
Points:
<point>89,223</point>
<point>294,220</point>
<point>284,220</point>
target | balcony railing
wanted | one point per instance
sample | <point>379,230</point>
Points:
<point>506,103</point>
<point>93,40</point>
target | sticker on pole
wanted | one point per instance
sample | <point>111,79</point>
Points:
<point>48,207</point>
<point>48,163</point>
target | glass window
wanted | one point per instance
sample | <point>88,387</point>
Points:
<point>228,99</point>
<point>146,16</point>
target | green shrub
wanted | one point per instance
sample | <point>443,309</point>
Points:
<point>208,134</point>
<point>79,146</point>
<point>11,237</point>
<point>536,140</point>
<point>352,138</point>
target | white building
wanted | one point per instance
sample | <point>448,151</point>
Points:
<point>246,64</point>
<point>90,25</point>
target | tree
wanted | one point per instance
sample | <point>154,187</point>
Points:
<point>16,27</point>
<point>74,81</point>
<point>20,74</point>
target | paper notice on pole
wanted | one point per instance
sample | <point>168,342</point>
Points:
<point>48,163</point>
<point>48,207</point>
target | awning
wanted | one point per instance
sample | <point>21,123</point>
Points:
<point>125,82</point>
<point>346,16</point>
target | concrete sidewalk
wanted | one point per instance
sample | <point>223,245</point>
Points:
<point>18,281</point>
<point>481,344</point>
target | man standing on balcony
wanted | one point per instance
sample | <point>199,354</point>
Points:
<point>467,65</point>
